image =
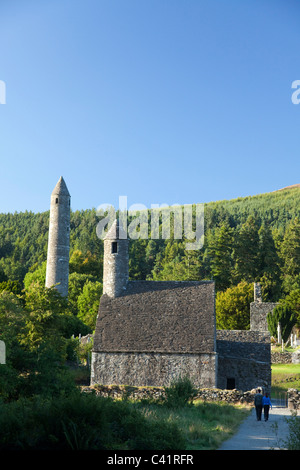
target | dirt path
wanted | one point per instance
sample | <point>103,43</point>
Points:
<point>260,435</point>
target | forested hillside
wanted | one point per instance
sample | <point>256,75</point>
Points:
<point>252,238</point>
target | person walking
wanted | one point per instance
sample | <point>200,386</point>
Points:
<point>258,404</point>
<point>266,403</point>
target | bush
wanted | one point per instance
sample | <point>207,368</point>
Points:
<point>83,422</point>
<point>180,392</point>
<point>293,440</point>
<point>10,382</point>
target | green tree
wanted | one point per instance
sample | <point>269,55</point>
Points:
<point>32,366</point>
<point>45,310</point>
<point>233,307</point>
<point>12,329</point>
<point>269,264</point>
<point>138,266</point>
<point>293,301</point>
<point>85,263</point>
<point>287,318</point>
<point>290,255</point>
<point>246,251</point>
<point>35,275</point>
<point>88,303</point>
<point>11,286</point>
<point>76,284</point>
<point>178,264</point>
<point>220,254</point>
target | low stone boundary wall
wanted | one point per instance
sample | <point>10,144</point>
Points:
<point>121,391</point>
<point>229,396</point>
<point>206,394</point>
<point>281,357</point>
<point>293,399</point>
<point>156,393</point>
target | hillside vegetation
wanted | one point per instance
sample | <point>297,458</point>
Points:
<point>245,239</point>
<point>248,239</point>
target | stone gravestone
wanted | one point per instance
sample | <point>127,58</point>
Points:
<point>296,357</point>
<point>2,352</point>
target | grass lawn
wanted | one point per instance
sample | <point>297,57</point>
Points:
<point>285,376</point>
<point>204,425</point>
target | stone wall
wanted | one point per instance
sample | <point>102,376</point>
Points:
<point>157,393</point>
<point>154,369</point>
<point>293,399</point>
<point>244,359</point>
<point>281,357</point>
<point>244,344</point>
<point>258,315</point>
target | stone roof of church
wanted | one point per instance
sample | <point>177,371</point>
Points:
<point>158,316</point>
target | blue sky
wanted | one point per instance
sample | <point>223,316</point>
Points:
<point>163,101</point>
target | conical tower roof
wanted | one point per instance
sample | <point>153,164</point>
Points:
<point>61,188</point>
<point>116,232</point>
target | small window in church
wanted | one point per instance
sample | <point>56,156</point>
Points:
<point>114,247</point>
<point>56,200</point>
<point>230,383</point>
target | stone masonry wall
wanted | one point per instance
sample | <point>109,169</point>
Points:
<point>154,369</point>
<point>281,357</point>
<point>247,374</point>
<point>293,399</point>
<point>157,393</point>
<point>244,357</point>
<point>206,394</point>
<point>244,344</point>
<point>258,315</point>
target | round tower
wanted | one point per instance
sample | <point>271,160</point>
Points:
<point>116,261</point>
<point>59,239</point>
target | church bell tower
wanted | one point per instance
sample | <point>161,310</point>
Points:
<point>59,239</point>
<point>116,261</point>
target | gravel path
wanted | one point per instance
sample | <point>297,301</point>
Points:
<point>260,435</point>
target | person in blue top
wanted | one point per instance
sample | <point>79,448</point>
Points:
<point>266,403</point>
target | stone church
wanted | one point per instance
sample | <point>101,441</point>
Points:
<point>150,332</point>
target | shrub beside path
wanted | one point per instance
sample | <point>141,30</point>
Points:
<point>261,435</point>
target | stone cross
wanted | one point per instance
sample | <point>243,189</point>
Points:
<point>257,292</point>
<point>279,339</point>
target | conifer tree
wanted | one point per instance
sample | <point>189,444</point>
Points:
<point>246,251</point>
<point>284,315</point>
<point>220,253</point>
<point>269,264</point>
<point>290,249</point>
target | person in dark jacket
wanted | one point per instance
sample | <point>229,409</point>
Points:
<point>266,403</point>
<point>258,404</point>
